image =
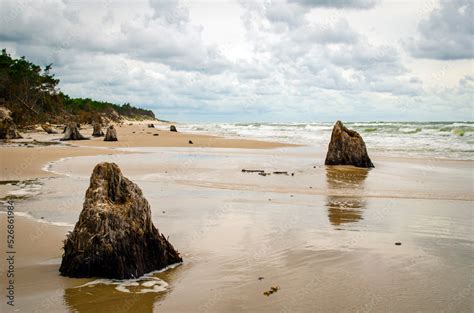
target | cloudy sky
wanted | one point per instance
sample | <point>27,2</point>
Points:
<point>293,60</point>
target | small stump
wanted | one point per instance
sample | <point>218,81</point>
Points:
<point>111,134</point>
<point>72,132</point>
<point>97,130</point>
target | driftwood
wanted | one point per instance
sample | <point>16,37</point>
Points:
<point>111,134</point>
<point>97,130</point>
<point>47,128</point>
<point>72,132</point>
<point>115,236</point>
<point>347,148</point>
<point>173,128</point>
<point>252,171</point>
<point>7,126</point>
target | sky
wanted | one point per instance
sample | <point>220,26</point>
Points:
<point>248,61</point>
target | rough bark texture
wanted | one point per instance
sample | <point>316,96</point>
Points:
<point>97,130</point>
<point>111,134</point>
<point>173,128</point>
<point>7,127</point>
<point>47,128</point>
<point>115,236</point>
<point>347,148</point>
<point>72,132</point>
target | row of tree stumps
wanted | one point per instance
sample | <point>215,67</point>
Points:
<point>71,132</point>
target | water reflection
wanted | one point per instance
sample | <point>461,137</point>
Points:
<point>111,296</point>
<point>344,210</point>
<point>105,298</point>
<point>342,180</point>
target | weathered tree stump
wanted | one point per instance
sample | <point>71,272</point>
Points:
<point>111,134</point>
<point>173,128</point>
<point>115,236</point>
<point>97,130</point>
<point>72,132</point>
<point>7,126</point>
<point>347,148</point>
<point>151,125</point>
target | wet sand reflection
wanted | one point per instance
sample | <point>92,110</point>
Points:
<point>343,209</point>
<point>104,297</point>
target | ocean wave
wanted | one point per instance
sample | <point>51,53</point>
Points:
<point>418,139</point>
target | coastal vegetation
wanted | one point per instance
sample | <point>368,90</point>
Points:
<point>33,96</point>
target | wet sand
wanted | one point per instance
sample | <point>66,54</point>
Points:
<point>325,236</point>
<point>24,159</point>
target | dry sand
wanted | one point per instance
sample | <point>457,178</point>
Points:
<point>22,162</point>
<point>139,135</point>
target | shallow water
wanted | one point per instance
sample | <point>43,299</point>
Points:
<point>325,236</point>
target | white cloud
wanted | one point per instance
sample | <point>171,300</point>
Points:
<point>268,60</point>
<point>447,34</point>
<point>339,4</point>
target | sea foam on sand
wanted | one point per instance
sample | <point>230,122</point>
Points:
<point>144,284</point>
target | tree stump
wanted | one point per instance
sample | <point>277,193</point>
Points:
<point>97,130</point>
<point>347,148</point>
<point>7,126</point>
<point>115,236</point>
<point>72,132</point>
<point>111,134</point>
<point>173,128</point>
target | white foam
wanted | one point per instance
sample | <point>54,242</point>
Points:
<point>49,167</point>
<point>144,284</point>
<point>31,217</point>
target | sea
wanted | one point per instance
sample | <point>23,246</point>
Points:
<point>444,140</point>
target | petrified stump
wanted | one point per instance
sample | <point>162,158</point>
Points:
<point>347,148</point>
<point>115,236</point>
<point>47,128</point>
<point>173,128</point>
<point>72,132</point>
<point>111,134</point>
<point>7,126</point>
<point>97,130</point>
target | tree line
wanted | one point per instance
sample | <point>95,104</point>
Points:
<point>33,96</point>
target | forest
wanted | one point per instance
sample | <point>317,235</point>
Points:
<point>32,94</point>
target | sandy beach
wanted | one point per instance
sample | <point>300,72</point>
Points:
<point>320,235</point>
<point>287,156</point>
<point>25,159</point>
